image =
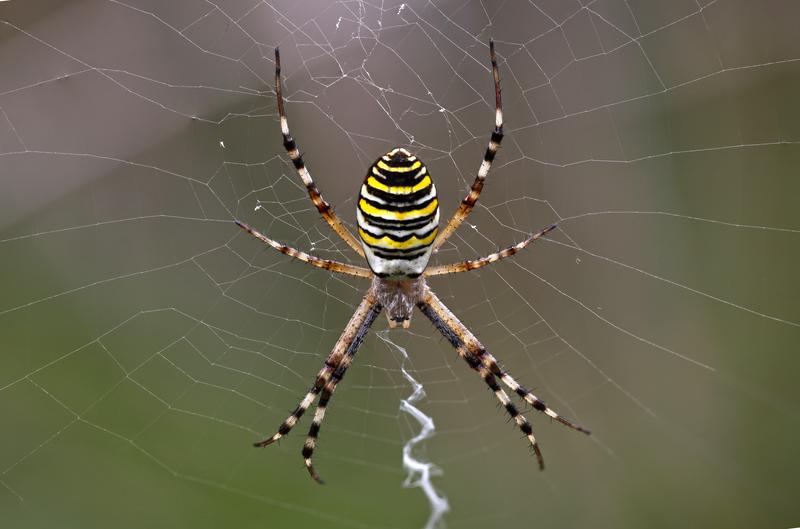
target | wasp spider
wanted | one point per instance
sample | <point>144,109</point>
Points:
<point>398,219</point>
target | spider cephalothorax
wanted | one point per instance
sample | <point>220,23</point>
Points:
<point>399,297</point>
<point>398,218</point>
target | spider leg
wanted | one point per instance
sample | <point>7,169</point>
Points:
<point>455,331</point>
<point>326,264</point>
<point>313,433</point>
<point>365,314</point>
<point>494,144</point>
<point>327,392</point>
<point>490,362</point>
<point>325,209</point>
<point>466,266</point>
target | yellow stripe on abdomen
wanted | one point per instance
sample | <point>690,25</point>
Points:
<point>413,167</point>
<point>399,190</point>
<point>369,209</point>
<point>387,242</point>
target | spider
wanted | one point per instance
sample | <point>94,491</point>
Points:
<point>398,219</point>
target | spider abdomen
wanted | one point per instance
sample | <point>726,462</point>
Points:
<point>398,215</point>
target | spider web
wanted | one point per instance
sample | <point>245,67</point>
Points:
<point>147,341</point>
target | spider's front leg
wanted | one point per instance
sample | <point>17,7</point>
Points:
<point>335,366</point>
<point>354,339</point>
<point>327,393</point>
<point>479,359</point>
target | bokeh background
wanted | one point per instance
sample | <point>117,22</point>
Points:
<point>146,342</point>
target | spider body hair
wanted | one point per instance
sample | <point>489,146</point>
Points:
<point>399,297</point>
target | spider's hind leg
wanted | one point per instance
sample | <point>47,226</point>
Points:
<point>495,139</point>
<point>325,209</point>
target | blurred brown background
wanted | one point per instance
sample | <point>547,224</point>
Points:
<point>146,342</point>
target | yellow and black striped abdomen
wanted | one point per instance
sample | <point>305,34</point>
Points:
<point>398,215</point>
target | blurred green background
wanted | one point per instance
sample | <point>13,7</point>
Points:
<point>146,342</point>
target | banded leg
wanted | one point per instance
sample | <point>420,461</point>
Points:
<point>490,362</point>
<point>365,314</point>
<point>453,336</point>
<point>325,209</point>
<point>325,264</point>
<point>330,386</point>
<point>494,144</point>
<point>466,266</point>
